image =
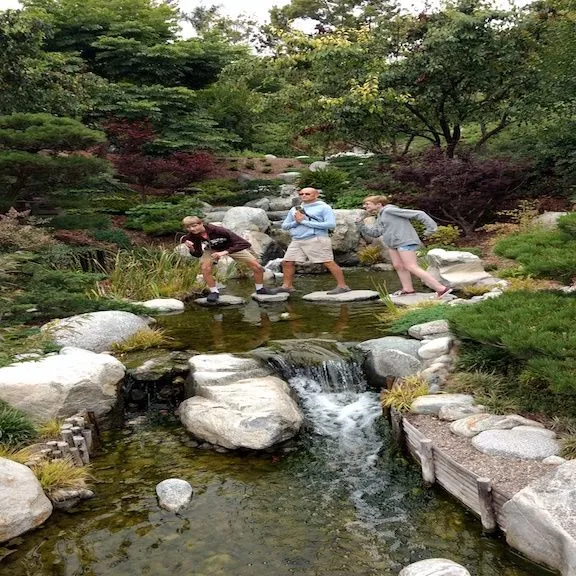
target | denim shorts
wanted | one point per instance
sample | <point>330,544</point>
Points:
<point>408,248</point>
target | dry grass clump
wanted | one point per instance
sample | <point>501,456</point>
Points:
<point>61,474</point>
<point>404,392</point>
<point>142,340</point>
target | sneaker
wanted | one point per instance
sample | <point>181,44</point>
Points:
<point>266,291</point>
<point>444,292</point>
<point>403,293</point>
<point>212,298</point>
<point>283,290</point>
<point>338,290</point>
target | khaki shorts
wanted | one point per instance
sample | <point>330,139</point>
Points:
<point>315,250</point>
<point>244,256</point>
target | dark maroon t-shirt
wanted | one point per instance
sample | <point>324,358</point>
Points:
<point>219,239</point>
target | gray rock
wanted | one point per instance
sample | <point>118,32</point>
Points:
<point>280,297</point>
<point>525,445</point>
<point>254,413</point>
<point>23,504</point>
<point>434,567</point>
<point>289,177</point>
<point>432,403</point>
<point>406,345</point>
<point>433,329</point>
<point>174,494</point>
<point>390,363</point>
<point>224,300</point>
<point>548,220</point>
<point>96,331</point>
<point>472,425</point>
<point>352,296</point>
<point>263,203</point>
<point>540,520</point>
<point>220,369</point>
<point>454,268</point>
<point>62,385</point>
<point>163,305</point>
<point>318,165</point>
<point>554,460</point>
<point>456,412</point>
<point>435,348</point>
<point>417,298</point>
<point>241,218</point>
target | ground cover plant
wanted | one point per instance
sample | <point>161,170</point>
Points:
<point>528,338</point>
<point>15,427</point>
<point>544,253</point>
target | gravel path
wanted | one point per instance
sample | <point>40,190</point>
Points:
<point>509,474</point>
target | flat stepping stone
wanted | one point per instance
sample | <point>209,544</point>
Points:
<point>352,296</point>
<point>224,300</point>
<point>419,297</point>
<point>163,305</point>
<point>434,567</point>
<point>173,494</point>
<point>472,425</point>
<point>280,297</point>
<point>522,444</point>
<point>431,403</point>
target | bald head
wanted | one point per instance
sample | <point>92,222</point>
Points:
<point>309,194</point>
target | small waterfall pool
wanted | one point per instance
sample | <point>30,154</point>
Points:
<point>342,503</point>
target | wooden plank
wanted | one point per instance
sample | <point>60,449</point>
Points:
<point>487,515</point>
<point>427,461</point>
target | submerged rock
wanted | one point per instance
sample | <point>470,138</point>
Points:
<point>174,494</point>
<point>434,567</point>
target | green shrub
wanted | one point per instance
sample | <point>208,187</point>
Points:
<point>542,253</point>
<point>154,214</point>
<point>114,236</point>
<point>249,164</point>
<point>15,427</point>
<point>371,254</point>
<point>80,221</point>
<point>350,200</point>
<point>266,170</point>
<point>332,181</point>
<point>418,316</point>
<point>567,224</point>
<point>529,338</point>
<point>443,236</point>
<point>163,228</point>
<point>116,204</point>
<point>404,392</point>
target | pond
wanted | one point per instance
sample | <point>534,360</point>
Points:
<point>342,503</point>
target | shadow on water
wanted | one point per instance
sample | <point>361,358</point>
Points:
<point>343,503</point>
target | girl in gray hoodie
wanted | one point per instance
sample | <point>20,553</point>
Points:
<point>395,226</point>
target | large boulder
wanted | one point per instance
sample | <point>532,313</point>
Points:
<point>455,269</point>
<point>241,218</point>
<point>263,247</point>
<point>346,236</point>
<point>23,504</point>
<point>96,331</point>
<point>540,520</point>
<point>549,220</point>
<point>255,413</point>
<point>62,385</point>
<point>218,369</point>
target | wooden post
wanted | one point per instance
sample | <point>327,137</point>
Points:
<point>397,428</point>
<point>93,423</point>
<point>427,462</point>
<point>77,459</point>
<point>489,523</point>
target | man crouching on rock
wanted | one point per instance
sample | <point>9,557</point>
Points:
<point>210,243</point>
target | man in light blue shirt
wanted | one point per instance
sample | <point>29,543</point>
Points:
<point>309,225</point>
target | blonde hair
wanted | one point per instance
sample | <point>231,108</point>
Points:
<point>189,220</point>
<point>377,199</point>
